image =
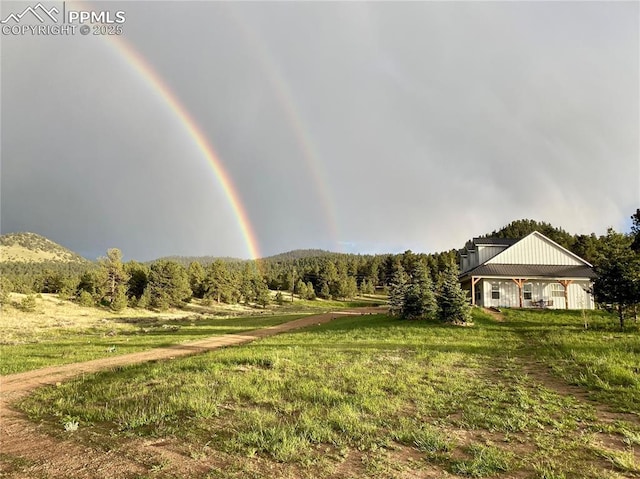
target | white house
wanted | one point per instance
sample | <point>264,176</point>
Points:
<point>527,273</point>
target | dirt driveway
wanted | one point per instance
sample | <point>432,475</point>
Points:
<point>27,452</point>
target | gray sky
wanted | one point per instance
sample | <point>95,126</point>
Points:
<point>358,127</point>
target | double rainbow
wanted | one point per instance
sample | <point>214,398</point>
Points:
<point>142,67</point>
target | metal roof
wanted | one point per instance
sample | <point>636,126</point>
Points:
<point>495,241</point>
<point>531,271</point>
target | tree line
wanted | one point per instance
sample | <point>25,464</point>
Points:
<point>410,279</point>
<point>169,283</point>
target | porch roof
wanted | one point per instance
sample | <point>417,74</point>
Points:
<point>531,271</point>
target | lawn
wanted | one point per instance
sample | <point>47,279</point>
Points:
<point>372,396</point>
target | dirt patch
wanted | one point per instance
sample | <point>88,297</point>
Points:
<point>496,315</point>
<point>27,451</point>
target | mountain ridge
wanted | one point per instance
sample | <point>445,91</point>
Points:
<point>26,247</point>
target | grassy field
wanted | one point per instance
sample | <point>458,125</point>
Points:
<point>371,396</point>
<point>61,332</point>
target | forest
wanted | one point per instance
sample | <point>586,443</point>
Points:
<point>310,274</point>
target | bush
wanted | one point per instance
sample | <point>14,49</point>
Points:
<point>28,303</point>
<point>279,298</point>
<point>119,301</point>
<point>85,299</point>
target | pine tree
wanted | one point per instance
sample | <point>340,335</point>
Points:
<point>279,298</point>
<point>618,269</point>
<point>311,292</point>
<point>397,291</point>
<point>453,303</point>
<point>168,284</point>
<point>262,294</point>
<point>301,289</point>
<point>419,297</point>
<point>113,276</point>
<point>635,231</point>
<point>325,293</point>
<point>196,279</point>
<point>138,278</point>
<point>218,283</point>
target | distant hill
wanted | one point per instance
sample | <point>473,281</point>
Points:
<point>33,248</point>
<point>520,228</point>
<point>204,260</point>
<point>300,254</point>
<point>282,257</point>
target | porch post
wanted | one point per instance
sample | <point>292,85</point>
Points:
<point>474,281</point>
<point>519,282</point>
<point>565,284</point>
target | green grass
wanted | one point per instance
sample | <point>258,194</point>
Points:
<point>600,358</point>
<point>65,345</point>
<point>325,305</point>
<point>375,395</point>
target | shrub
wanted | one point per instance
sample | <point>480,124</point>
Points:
<point>85,299</point>
<point>28,303</point>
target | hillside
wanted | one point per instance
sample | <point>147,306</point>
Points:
<point>204,260</point>
<point>33,248</point>
<point>301,254</point>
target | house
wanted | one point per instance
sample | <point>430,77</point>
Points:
<point>533,272</point>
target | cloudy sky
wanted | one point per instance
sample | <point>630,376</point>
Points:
<point>358,127</point>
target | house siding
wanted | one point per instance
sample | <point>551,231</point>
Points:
<point>535,250</point>
<point>578,295</point>
<point>485,253</point>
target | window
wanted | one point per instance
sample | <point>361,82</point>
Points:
<point>495,291</point>
<point>557,291</point>
<point>527,291</point>
<point>478,294</point>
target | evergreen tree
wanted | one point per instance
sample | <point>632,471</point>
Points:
<point>366,287</point>
<point>397,291</point>
<point>587,246</point>
<point>218,283</point>
<point>345,287</point>
<point>325,293</point>
<point>196,278</point>
<point>279,298</point>
<point>113,277</point>
<point>419,298</point>
<point>301,289</point>
<point>138,279</point>
<point>89,283</point>
<point>453,303</point>
<point>168,284</point>
<point>635,231</point>
<point>618,270</point>
<point>119,300</point>
<point>85,299</point>
<point>311,293</point>
<point>262,294</point>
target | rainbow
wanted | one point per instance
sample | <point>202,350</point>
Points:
<point>288,105</point>
<point>142,67</point>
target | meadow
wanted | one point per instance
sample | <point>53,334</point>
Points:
<point>62,332</point>
<point>534,396</point>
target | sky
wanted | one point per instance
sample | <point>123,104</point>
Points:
<point>365,127</point>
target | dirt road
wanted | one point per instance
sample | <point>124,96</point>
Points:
<point>26,452</point>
